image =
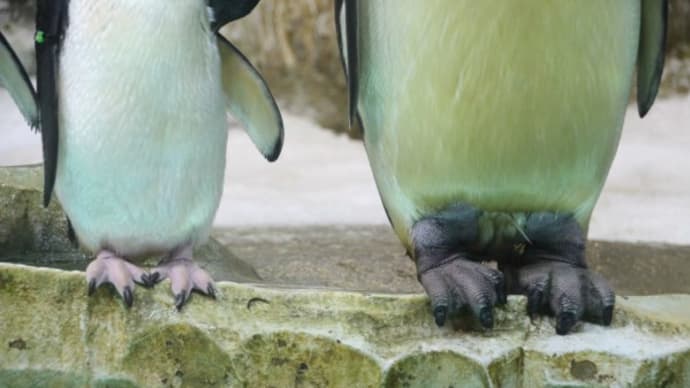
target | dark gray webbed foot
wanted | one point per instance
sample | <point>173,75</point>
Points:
<point>109,268</point>
<point>569,293</point>
<point>458,284</point>
<point>185,275</point>
<point>450,278</point>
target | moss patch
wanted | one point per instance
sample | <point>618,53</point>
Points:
<point>436,369</point>
<point>299,360</point>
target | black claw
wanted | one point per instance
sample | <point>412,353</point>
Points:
<point>607,315</point>
<point>151,279</point>
<point>92,287</point>
<point>501,297</point>
<point>127,296</point>
<point>486,317</point>
<point>440,313</point>
<point>211,291</point>
<point>564,322</point>
<point>180,300</point>
<point>534,301</point>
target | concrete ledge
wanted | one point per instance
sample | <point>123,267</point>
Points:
<point>51,333</point>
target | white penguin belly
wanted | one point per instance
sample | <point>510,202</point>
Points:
<point>143,126</point>
<point>514,107</point>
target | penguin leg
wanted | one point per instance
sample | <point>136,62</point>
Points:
<point>184,274</point>
<point>553,274</point>
<point>107,267</point>
<point>453,281</point>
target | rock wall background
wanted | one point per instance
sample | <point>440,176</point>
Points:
<point>293,44</point>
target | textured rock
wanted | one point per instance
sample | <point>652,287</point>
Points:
<point>258,336</point>
<point>52,334</point>
<point>370,257</point>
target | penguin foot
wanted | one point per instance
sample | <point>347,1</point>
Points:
<point>567,292</point>
<point>109,268</point>
<point>457,284</point>
<point>185,276</point>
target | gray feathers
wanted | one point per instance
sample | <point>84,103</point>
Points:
<point>14,78</point>
<point>250,101</point>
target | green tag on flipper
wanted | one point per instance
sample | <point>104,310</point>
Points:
<point>40,37</point>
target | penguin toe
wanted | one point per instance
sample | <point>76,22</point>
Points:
<point>185,277</point>
<point>461,285</point>
<point>570,294</point>
<point>107,268</point>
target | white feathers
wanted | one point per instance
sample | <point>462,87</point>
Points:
<point>143,124</point>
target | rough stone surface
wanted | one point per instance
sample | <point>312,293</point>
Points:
<point>370,257</point>
<point>259,336</point>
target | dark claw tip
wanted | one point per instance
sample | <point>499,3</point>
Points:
<point>211,291</point>
<point>127,296</point>
<point>440,313</point>
<point>534,302</point>
<point>150,279</point>
<point>92,287</point>
<point>607,315</point>
<point>180,299</point>
<point>501,297</point>
<point>564,322</point>
<point>486,317</point>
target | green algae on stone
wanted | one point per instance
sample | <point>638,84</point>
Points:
<point>179,354</point>
<point>41,320</point>
<point>506,371</point>
<point>436,369</point>
<point>286,359</point>
<point>669,372</point>
<point>114,383</point>
<point>41,378</point>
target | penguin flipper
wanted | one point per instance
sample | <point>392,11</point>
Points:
<point>346,13</point>
<point>650,57</point>
<point>51,21</point>
<point>14,78</point>
<point>225,11</point>
<point>249,100</point>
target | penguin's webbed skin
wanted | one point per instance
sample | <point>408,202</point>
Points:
<point>132,101</point>
<point>490,130</point>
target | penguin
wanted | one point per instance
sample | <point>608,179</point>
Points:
<point>131,101</point>
<point>490,130</point>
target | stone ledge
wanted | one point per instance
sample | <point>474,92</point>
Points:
<point>253,335</point>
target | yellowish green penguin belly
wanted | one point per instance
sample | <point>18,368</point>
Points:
<point>512,108</point>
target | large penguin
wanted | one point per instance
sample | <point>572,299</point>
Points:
<point>490,129</point>
<point>131,103</point>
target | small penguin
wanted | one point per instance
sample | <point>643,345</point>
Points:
<point>490,129</point>
<point>131,102</point>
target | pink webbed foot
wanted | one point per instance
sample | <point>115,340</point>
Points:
<point>109,268</point>
<point>185,275</point>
